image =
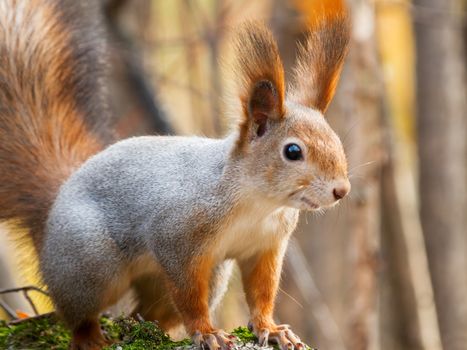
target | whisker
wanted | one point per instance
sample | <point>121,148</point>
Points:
<point>291,298</point>
<point>361,166</point>
<point>338,216</point>
<point>356,176</point>
<point>355,195</point>
<point>344,139</point>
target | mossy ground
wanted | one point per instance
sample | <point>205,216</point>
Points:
<point>127,334</point>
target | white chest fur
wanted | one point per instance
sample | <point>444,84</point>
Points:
<point>252,229</point>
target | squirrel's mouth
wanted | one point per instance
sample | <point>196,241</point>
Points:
<point>300,201</point>
<point>310,204</point>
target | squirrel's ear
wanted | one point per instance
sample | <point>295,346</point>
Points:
<point>321,58</point>
<point>263,103</point>
<point>261,78</point>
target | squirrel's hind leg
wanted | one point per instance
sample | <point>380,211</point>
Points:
<point>154,302</point>
<point>88,336</point>
<point>83,318</point>
<point>85,274</point>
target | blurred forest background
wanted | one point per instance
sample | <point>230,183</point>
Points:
<point>387,269</point>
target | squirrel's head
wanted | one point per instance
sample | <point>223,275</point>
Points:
<point>290,152</point>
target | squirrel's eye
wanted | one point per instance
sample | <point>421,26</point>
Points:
<point>292,151</point>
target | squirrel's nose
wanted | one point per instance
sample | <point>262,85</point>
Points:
<point>341,191</point>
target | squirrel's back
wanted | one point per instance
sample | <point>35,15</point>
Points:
<point>147,184</point>
<point>51,102</point>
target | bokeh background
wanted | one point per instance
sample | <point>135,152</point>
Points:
<point>387,269</point>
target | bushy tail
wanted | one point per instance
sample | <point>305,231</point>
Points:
<point>51,102</point>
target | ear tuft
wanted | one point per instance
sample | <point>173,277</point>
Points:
<point>321,59</point>
<point>260,75</point>
<point>258,60</point>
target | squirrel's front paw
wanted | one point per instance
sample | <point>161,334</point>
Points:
<point>280,334</point>
<point>215,340</point>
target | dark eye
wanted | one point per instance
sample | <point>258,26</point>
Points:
<point>292,151</point>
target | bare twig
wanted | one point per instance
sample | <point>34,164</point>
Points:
<point>10,312</point>
<point>24,290</point>
<point>28,298</point>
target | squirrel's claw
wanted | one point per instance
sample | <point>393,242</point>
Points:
<point>211,341</point>
<point>263,337</point>
<point>216,340</point>
<point>282,335</point>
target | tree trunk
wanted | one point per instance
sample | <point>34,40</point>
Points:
<point>443,160</point>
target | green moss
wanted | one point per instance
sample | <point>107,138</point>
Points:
<point>244,334</point>
<point>48,333</point>
<point>126,333</point>
<point>136,335</point>
<point>40,333</point>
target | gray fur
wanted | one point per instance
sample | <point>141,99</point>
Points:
<point>144,195</point>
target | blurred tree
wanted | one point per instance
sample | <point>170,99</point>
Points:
<point>441,100</point>
<point>135,105</point>
<point>407,312</point>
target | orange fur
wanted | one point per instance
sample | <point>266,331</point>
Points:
<point>192,299</point>
<point>261,281</point>
<point>321,58</point>
<point>322,151</point>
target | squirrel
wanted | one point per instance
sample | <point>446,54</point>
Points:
<point>165,216</point>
